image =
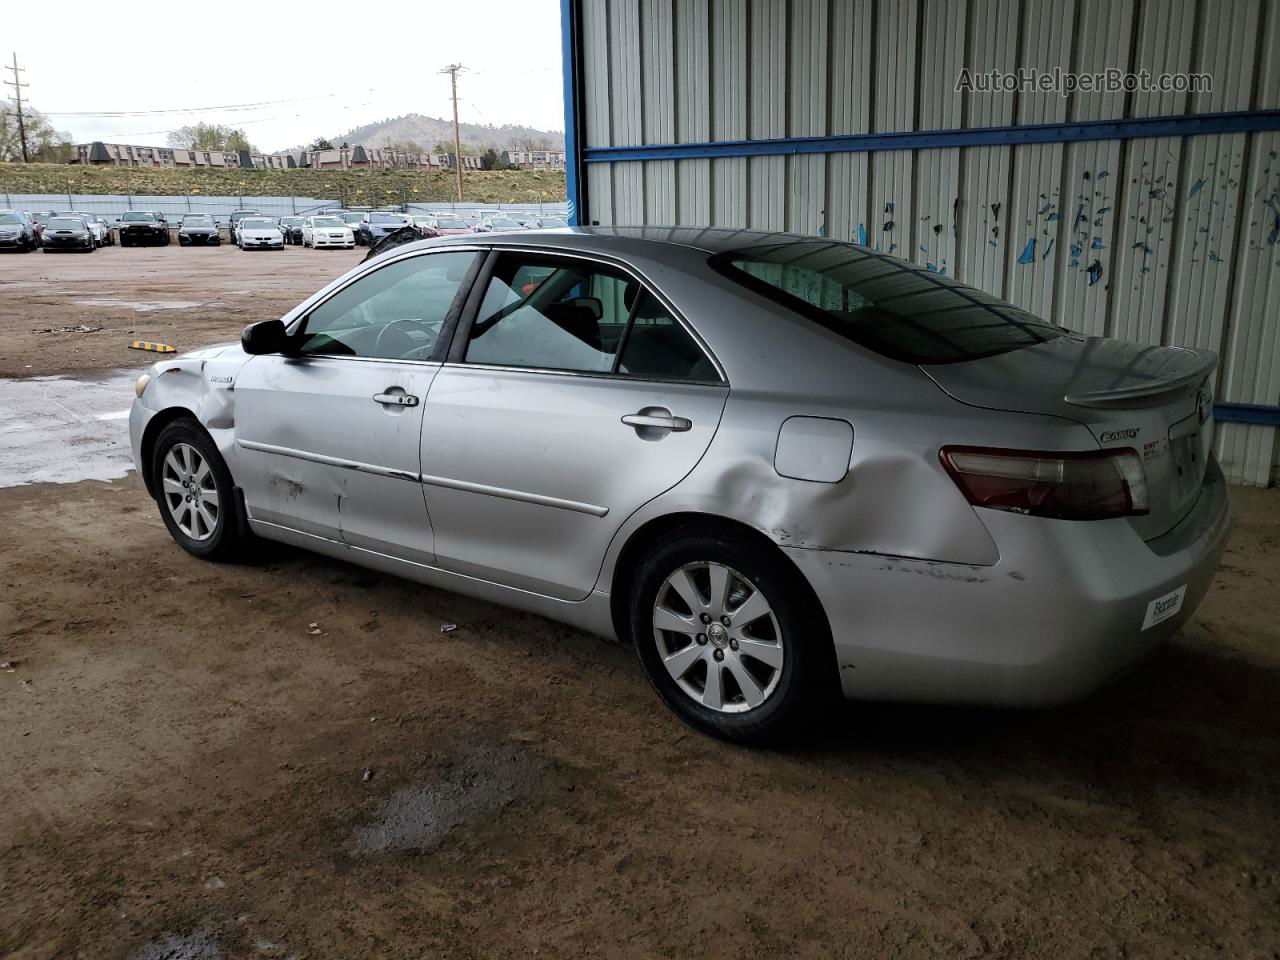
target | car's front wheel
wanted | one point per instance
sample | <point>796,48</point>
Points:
<point>195,492</point>
<point>729,635</point>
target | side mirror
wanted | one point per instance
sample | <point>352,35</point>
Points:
<point>269,336</point>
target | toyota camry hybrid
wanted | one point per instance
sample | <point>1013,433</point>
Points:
<point>782,467</point>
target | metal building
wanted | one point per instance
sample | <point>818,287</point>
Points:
<point>1143,214</point>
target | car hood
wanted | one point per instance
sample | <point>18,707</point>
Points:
<point>260,234</point>
<point>146,224</point>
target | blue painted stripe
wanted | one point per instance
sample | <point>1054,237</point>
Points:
<point>575,182</point>
<point>1257,413</point>
<point>1244,121</point>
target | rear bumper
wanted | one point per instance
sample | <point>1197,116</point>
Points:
<point>1060,613</point>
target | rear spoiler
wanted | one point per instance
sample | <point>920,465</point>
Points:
<point>1194,367</point>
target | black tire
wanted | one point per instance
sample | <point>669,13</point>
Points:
<point>808,676</point>
<point>228,540</point>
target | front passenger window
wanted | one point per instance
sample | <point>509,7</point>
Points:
<point>394,313</point>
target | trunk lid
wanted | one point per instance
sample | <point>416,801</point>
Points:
<point>1155,400</point>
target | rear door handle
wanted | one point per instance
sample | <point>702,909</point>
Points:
<point>661,421</point>
<point>397,399</point>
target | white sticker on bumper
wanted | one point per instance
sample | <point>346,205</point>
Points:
<point>1162,608</point>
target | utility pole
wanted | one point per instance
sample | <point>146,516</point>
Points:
<point>17,85</point>
<point>452,70</point>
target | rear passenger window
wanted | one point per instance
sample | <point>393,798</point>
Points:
<point>551,313</point>
<point>562,313</point>
<point>658,347</point>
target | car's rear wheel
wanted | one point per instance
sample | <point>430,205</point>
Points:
<point>729,636</point>
<point>194,489</point>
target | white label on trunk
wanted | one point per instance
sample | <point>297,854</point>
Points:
<point>1162,608</point>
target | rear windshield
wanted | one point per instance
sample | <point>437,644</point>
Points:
<point>895,308</point>
<point>138,218</point>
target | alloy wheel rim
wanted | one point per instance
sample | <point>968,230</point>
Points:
<point>718,638</point>
<point>190,492</point>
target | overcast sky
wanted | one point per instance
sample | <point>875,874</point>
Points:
<point>336,65</point>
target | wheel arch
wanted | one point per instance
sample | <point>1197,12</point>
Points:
<point>651,531</point>
<point>148,446</point>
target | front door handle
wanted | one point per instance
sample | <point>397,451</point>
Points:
<point>397,399</point>
<point>657,418</point>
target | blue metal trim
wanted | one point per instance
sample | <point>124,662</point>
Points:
<point>1257,413</point>
<point>575,180</point>
<point>1243,121</point>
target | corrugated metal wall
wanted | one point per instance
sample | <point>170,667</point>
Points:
<point>1163,240</point>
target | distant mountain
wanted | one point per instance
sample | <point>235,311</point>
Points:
<point>428,131</point>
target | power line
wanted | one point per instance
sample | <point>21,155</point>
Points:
<point>452,70</point>
<point>182,110</point>
<point>17,85</point>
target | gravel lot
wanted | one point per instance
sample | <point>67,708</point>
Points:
<point>290,759</point>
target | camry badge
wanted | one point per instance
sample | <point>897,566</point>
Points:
<point>1128,433</point>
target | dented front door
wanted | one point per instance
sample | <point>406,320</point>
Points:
<point>330,446</point>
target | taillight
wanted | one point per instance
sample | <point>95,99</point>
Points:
<point>1067,486</point>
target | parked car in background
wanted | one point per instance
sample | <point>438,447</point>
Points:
<point>198,229</point>
<point>234,222</point>
<point>327,231</point>
<point>69,233</point>
<point>258,233</point>
<point>449,226</point>
<point>97,226</point>
<point>108,231</point>
<point>143,228</point>
<point>545,223</point>
<point>291,227</point>
<point>352,219</point>
<point>423,226</point>
<point>992,536</point>
<point>493,224</point>
<point>375,225</point>
<point>479,215</point>
<point>18,231</point>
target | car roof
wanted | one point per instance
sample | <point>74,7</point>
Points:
<point>656,243</point>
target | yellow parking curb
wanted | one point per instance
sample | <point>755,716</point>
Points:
<point>154,347</point>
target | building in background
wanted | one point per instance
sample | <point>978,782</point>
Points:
<point>534,159</point>
<point>133,155</point>
<point>1144,215</point>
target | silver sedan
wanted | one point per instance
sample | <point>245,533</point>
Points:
<point>783,467</point>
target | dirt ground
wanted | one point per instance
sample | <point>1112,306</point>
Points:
<point>189,769</point>
<point>69,312</point>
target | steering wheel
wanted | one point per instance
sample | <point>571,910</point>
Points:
<point>410,345</point>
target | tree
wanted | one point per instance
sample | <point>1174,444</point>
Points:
<point>44,143</point>
<point>446,146</point>
<point>210,136</point>
<point>320,143</point>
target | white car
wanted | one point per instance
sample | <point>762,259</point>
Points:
<point>257,233</point>
<point>327,231</point>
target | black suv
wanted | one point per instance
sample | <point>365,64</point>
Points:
<point>18,230</point>
<point>143,227</point>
